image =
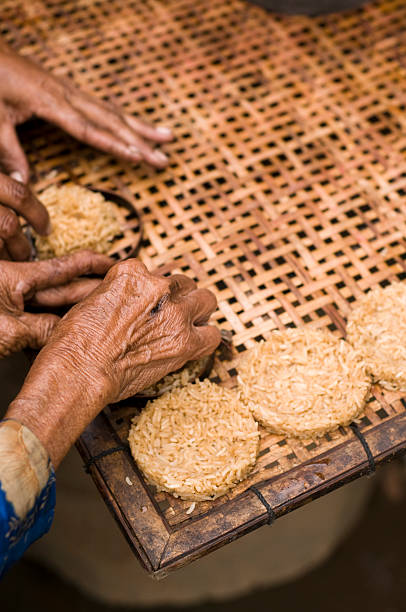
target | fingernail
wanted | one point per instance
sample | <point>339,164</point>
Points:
<point>161,129</point>
<point>160,157</point>
<point>17,176</point>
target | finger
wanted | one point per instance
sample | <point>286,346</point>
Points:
<point>132,133</point>
<point>152,156</point>
<point>124,143</point>
<point>12,235</point>
<point>83,130</point>
<point>71,293</point>
<point>37,328</point>
<point>60,271</point>
<point>208,337</point>
<point>157,134</point>
<point>200,305</point>
<point>12,157</point>
<point>20,198</point>
<point>80,127</point>
<point>105,135</point>
<point>181,285</point>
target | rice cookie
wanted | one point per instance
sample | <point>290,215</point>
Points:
<point>377,328</point>
<point>303,382</point>
<point>195,442</point>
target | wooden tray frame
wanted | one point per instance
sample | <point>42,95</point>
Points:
<point>161,548</point>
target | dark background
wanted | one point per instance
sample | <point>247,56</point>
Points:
<point>367,573</point>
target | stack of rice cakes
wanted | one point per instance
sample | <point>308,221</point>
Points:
<point>199,441</point>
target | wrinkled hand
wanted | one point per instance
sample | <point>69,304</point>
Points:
<point>27,90</point>
<point>133,329</point>
<point>46,283</point>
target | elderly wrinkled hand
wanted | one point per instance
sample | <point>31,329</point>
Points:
<point>27,90</point>
<point>132,330</point>
<point>50,283</point>
<point>140,326</point>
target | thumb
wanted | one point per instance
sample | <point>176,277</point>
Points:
<point>71,293</point>
<point>38,328</point>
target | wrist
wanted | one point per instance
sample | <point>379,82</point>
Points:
<point>57,402</point>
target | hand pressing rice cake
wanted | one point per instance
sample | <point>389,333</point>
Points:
<point>80,219</point>
<point>196,442</point>
<point>192,370</point>
<point>377,328</point>
<point>303,382</point>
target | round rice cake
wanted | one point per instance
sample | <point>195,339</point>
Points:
<point>195,442</point>
<point>303,382</point>
<point>377,328</point>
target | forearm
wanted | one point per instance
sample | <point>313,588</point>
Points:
<point>57,402</point>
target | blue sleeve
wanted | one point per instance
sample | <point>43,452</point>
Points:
<point>16,534</point>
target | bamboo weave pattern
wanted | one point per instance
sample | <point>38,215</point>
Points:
<point>286,188</point>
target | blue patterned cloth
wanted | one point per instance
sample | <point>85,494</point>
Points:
<point>17,534</point>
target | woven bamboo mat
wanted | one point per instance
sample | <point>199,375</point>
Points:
<point>285,195</point>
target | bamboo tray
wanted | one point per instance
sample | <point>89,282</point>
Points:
<point>285,195</point>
